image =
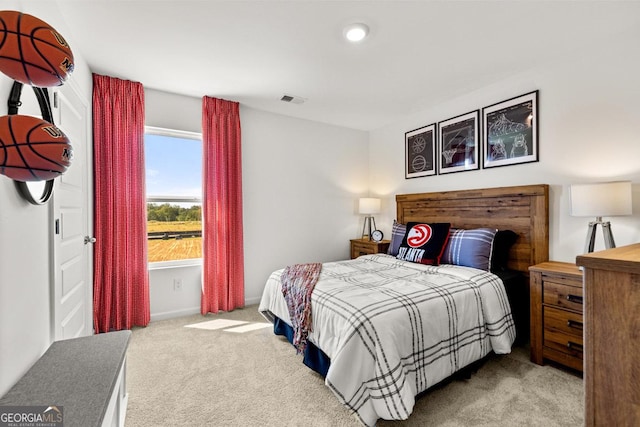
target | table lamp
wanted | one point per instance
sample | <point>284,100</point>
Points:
<point>599,200</point>
<point>368,206</point>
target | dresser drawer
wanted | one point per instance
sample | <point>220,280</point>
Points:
<point>565,343</point>
<point>361,247</point>
<point>358,249</point>
<point>563,321</point>
<point>574,281</point>
<point>561,295</point>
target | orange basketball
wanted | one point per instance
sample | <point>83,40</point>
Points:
<point>32,149</point>
<point>32,52</point>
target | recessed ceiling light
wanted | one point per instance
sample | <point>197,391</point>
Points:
<point>356,32</point>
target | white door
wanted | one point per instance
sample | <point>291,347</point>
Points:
<point>72,296</point>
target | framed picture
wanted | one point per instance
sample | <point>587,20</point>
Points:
<point>510,131</point>
<point>459,143</point>
<point>420,152</point>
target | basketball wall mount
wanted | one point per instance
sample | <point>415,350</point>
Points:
<point>34,53</point>
<point>24,189</point>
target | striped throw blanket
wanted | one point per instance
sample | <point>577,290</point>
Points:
<point>298,281</point>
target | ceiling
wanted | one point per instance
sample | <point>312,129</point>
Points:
<point>418,53</point>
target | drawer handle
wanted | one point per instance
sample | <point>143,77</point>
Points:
<point>574,298</point>
<point>574,324</point>
<point>574,346</point>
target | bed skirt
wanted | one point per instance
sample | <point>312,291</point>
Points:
<point>313,357</point>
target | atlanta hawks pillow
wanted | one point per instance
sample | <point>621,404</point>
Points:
<point>424,243</point>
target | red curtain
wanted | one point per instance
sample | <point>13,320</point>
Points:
<point>121,279</point>
<point>222,251</point>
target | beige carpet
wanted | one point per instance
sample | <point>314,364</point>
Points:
<point>186,376</point>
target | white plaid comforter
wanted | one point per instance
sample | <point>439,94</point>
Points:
<point>393,328</point>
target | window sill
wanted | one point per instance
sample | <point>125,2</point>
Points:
<point>161,265</point>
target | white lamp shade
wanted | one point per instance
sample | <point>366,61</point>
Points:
<point>369,205</point>
<point>601,199</point>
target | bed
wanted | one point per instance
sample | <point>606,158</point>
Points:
<point>385,330</point>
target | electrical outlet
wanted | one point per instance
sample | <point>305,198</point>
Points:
<point>177,285</point>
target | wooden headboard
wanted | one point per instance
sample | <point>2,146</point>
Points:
<point>523,209</point>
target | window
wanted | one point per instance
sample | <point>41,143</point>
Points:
<point>174,196</point>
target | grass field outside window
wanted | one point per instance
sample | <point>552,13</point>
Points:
<point>174,202</point>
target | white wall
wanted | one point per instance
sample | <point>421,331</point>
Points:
<point>589,116</point>
<point>167,302</point>
<point>172,111</point>
<point>301,180</point>
<point>25,283</point>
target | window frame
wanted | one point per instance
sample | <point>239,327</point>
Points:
<point>153,130</point>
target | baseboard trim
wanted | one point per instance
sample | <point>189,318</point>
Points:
<point>194,310</point>
<point>252,301</point>
<point>176,313</point>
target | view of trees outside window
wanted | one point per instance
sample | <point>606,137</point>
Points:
<point>174,194</point>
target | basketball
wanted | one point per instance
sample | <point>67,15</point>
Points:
<point>32,149</point>
<point>32,52</point>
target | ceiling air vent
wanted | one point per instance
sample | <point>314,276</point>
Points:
<point>292,99</point>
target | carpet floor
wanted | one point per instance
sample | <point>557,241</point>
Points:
<point>213,375</point>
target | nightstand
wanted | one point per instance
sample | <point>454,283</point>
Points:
<point>366,247</point>
<point>556,314</point>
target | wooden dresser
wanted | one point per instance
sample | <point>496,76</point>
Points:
<point>367,247</point>
<point>612,336</point>
<point>556,314</point>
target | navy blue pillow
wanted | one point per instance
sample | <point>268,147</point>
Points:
<point>501,246</point>
<point>424,243</point>
<point>397,234</point>
<point>470,248</point>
